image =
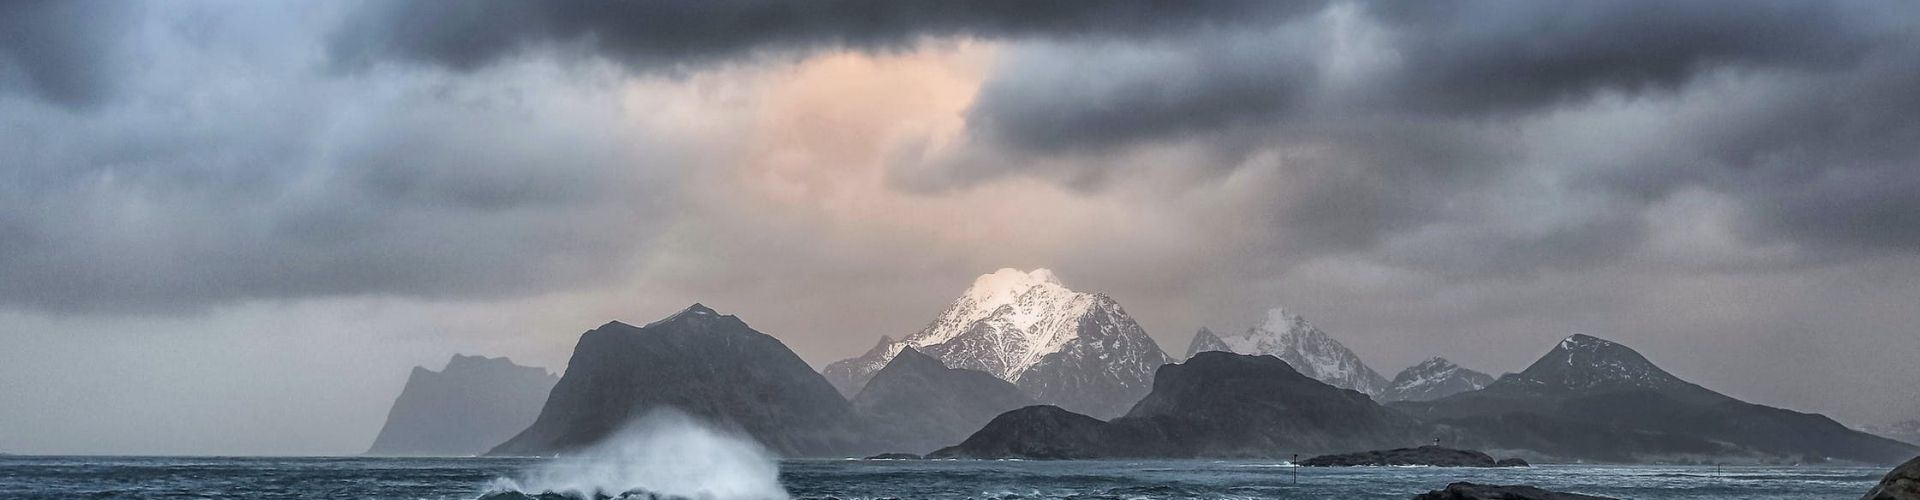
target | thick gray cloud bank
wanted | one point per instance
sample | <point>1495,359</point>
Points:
<point>681,34</point>
<point>1731,188</point>
<point>227,168</point>
<point>1798,110</point>
<point>61,51</point>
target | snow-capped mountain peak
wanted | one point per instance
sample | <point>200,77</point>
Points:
<point>1006,285</point>
<point>1584,363</point>
<point>695,311</point>
<point>1583,360</point>
<point>1031,303</point>
<point>1015,324</point>
<point>1309,350</point>
<point>1432,379</point>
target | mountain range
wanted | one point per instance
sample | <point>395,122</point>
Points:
<point>1593,399</point>
<point>464,409</point>
<point>1588,399</point>
<point>1433,379</point>
<point>1077,350</point>
<point>1021,366</point>
<point>1293,339</point>
<point>1216,404</point>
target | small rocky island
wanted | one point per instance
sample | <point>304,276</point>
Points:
<point>1435,456</point>
<point>1471,491</point>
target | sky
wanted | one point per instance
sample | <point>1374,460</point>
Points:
<point>232,227</point>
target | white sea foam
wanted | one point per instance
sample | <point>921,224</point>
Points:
<point>666,453</point>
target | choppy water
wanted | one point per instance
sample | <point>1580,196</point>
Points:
<point>469,478</point>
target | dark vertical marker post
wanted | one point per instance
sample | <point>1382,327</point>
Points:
<point>1296,469</point>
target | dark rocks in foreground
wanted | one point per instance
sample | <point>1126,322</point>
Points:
<point>1471,491</point>
<point>1903,483</point>
<point>1425,455</point>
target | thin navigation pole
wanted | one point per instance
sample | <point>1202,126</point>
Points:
<point>1296,469</point>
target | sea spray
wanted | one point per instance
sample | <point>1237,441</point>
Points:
<point>665,454</point>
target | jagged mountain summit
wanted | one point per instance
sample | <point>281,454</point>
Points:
<point>1217,404</point>
<point>706,364</point>
<point>917,404</point>
<point>1074,349</point>
<point>463,409</point>
<point>1206,341</point>
<point>1305,347</point>
<point>1433,379</point>
<point>851,375</point>
<point>1593,399</point>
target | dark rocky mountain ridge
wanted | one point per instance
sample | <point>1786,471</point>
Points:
<point>698,361</point>
<point>1216,404</point>
<point>1593,399</point>
<point>918,404</point>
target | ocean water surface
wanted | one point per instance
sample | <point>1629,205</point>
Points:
<point>473,478</point>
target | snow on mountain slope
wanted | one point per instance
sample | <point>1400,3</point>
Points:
<point>1310,351</point>
<point>1584,364</point>
<point>1080,350</point>
<point>1005,322</point>
<point>851,375</point>
<point>1433,379</point>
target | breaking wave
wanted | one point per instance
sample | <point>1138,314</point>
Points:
<point>666,455</point>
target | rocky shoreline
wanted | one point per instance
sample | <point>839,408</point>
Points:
<point>1902,483</point>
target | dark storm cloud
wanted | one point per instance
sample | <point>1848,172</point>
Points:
<point>1849,174</point>
<point>62,51</point>
<point>1452,57</point>
<point>472,211</point>
<point>1389,118</point>
<point>235,171</point>
<point>1476,56</point>
<point>680,34</point>
<point>1124,93</point>
<point>1826,159</point>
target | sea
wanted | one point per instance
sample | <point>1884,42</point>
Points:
<point>707,477</point>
